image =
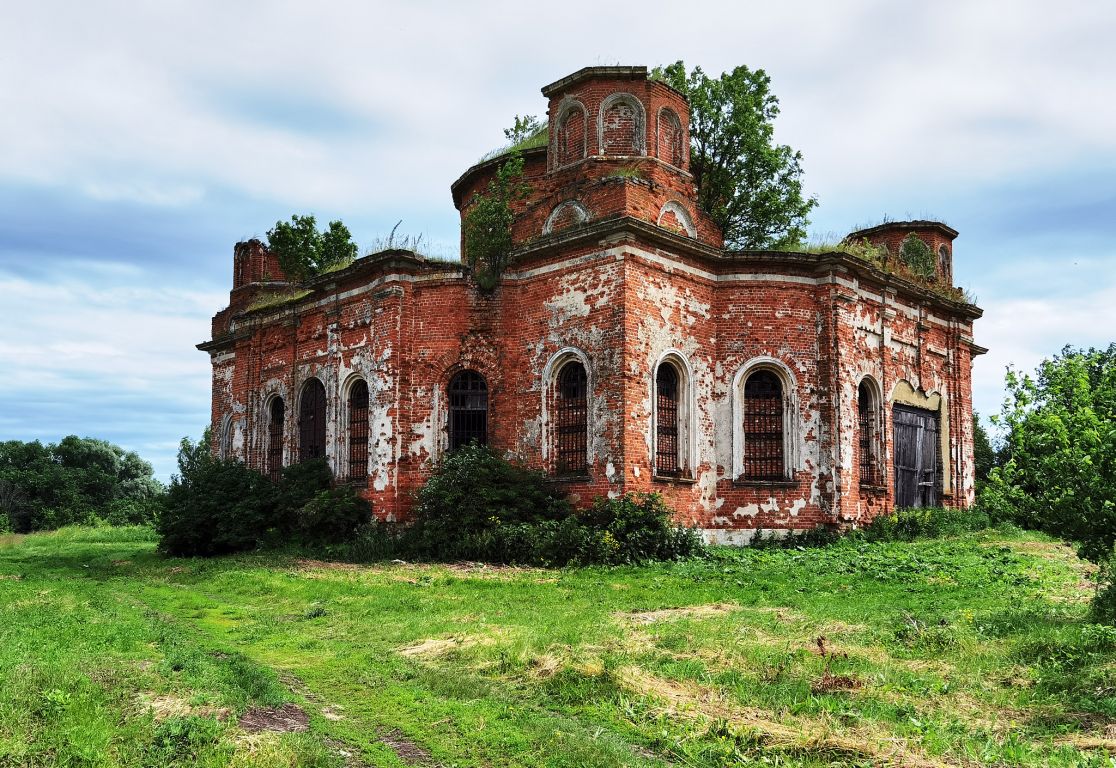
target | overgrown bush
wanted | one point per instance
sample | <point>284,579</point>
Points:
<point>1103,608</point>
<point>925,522</point>
<point>472,491</point>
<point>216,506</point>
<point>479,506</point>
<point>333,516</point>
<point>638,527</point>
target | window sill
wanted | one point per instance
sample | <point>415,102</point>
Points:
<point>582,477</point>
<point>742,483</point>
<point>872,488</point>
<point>670,480</point>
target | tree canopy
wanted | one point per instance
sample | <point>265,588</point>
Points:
<point>1059,470</point>
<point>751,186</point>
<point>304,252</point>
<point>76,481</point>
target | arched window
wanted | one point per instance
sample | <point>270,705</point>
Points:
<point>764,458</point>
<point>670,138</point>
<point>275,439</point>
<point>667,412</point>
<point>570,139</point>
<point>312,421</point>
<point>945,268</point>
<point>358,430</point>
<point>868,420</point>
<point>468,409</point>
<point>224,443</point>
<point>572,408</point>
<point>621,128</point>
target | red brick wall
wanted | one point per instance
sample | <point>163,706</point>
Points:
<point>621,302</point>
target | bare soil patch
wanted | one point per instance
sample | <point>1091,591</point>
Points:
<point>408,751</point>
<point>674,614</point>
<point>166,705</point>
<point>289,718</point>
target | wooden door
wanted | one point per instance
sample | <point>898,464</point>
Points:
<point>916,457</point>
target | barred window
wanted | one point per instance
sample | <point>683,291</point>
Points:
<point>358,430</point>
<point>667,391</point>
<point>468,410</point>
<point>312,421</point>
<point>275,439</point>
<point>573,417</point>
<point>869,436</point>
<point>763,427</point>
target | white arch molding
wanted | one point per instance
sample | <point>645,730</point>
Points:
<point>580,212</point>
<point>640,147</point>
<point>687,417</point>
<point>792,427</point>
<point>680,213</point>
<point>549,384</point>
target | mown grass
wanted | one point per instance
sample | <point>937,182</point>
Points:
<point>954,651</point>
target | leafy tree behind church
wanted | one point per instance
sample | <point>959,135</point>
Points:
<point>750,185</point>
<point>1059,457</point>
<point>79,480</point>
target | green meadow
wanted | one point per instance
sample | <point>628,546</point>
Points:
<point>960,651</point>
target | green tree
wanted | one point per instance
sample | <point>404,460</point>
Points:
<point>751,186</point>
<point>984,455</point>
<point>304,252</point>
<point>77,480</point>
<point>486,227</point>
<point>1059,473</point>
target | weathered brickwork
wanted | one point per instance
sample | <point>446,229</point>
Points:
<point>801,357</point>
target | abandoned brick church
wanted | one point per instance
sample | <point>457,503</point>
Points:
<point>624,348</point>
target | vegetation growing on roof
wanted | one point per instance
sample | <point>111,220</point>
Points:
<point>527,132</point>
<point>276,299</point>
<point>486,225</point>
<point>748,184</point>
<point>304,252</point>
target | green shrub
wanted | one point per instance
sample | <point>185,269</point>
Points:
<point>1103,607</point>
<point>214,506</point>
<point>924,523</point>
<point>333,516</point>
<point>298,485</point>
<point>182,739</point>
<point>637,527</point>
<point>479,506</point>
<point>471,491</point>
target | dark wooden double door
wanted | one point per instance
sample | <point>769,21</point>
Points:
<point>917,464</point>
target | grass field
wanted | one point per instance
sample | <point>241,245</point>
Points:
<point>945,652</point>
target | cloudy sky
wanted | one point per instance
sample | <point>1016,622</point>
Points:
<point>139,141</point>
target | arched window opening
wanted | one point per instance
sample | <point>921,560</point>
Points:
<point>945,270</point>
<point>358,430</point>
<point>573,420</point>
<point>224,443</point>
<point>763,427</point>
<point>312,421</point>
<point>670,138</point>
<point>667,412</point>
<point>621,126</point>
<point>468,410</point>
<point>571,136</point>
<point>275,439</point>
<point>869,435</point>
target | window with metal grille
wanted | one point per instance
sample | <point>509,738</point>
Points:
<point>868,418</point>
<point>312,421</point>
<point>358,430</point>
<point>763,427</point>
<point>666,420</point>
<point>275,439</point>
<point>468,410</point>
<point>573,414</point>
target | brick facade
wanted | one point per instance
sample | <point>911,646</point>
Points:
<point>617,270</point>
